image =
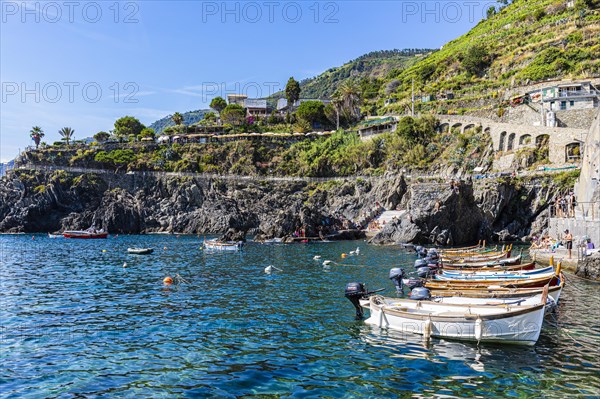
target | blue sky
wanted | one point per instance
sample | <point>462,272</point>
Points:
<point>85,64</point>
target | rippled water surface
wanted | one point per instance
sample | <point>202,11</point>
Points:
<point>76,323</point>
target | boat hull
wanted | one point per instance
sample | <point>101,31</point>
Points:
<point>84,235</point>
<point>223,246</point>
<point>520,326</point>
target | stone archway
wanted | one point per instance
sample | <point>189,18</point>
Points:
<point>468,126</point>
<point>525,140</point>
<point>456,126</point>
<point>444,127</point>
<point>502,139</point>
<point>511,142</point>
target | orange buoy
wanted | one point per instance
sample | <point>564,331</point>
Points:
<point>165,248</point>
<point>344,255</point>
<point>168,280</point>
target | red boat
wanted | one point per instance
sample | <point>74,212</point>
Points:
<point>85,234</point>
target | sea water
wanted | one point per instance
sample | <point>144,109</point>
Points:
<point>84,319</point>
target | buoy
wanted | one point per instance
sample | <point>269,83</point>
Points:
<point>165,248</point>
<point>427,329</point>
<point>357,251</point>
<point>352,253</point>
<point>124,264</point>
<point>269,269</point>
<point>168,280</point>
<point>317,257</point>
<point>478,329</point>
<point>327,262</point>
<point>344,255</point>
<point>104,250</point>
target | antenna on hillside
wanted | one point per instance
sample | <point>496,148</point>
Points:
<point>412,109</point>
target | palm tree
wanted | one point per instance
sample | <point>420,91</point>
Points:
<point>177,118</point>
<point>36,135</point>
<point>348,94</point>
<point>67,134</point>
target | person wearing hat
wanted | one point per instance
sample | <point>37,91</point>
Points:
<point>569,241</point>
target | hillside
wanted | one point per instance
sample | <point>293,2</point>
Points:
<point>525,42</point>
<point>189,118</point>
<point>370,69</point>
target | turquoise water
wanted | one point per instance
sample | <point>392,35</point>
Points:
<point>75,323</point>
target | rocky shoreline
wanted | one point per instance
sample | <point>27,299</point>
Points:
<point>437,212</point>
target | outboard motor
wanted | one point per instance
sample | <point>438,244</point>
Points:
<point>429,259</point>
<point>424,272</point>
<point>355,292</point>
<point>433,253</point>
<point>418,248</point>
<point>396,275</point>
<point>414,282</point>
<point>422,253</point>
<point>420,293</point>
<point>420,263</point>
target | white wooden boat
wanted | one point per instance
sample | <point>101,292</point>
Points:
<point>50,235</point>
<point>223,246</point>
<point>511,324</point>
<point>515,260</point>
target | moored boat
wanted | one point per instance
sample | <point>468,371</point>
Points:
<point>50,235</point>
<point>490,266</point>
<point>485,276</point>
<point>85,234</point>
<point>514,323</point>
<point>140,251</point>
<point>223,245</point>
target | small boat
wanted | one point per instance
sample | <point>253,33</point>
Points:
<point>515,260</point>
<point>140,251</point>
<point>507,323</point>
<point>223,246</point>
<point>495,276</point>
<point>532,282</point>
<point>50,235</point>
<point>490,266</point>
<point>85,234</point>
<point>466,274</point>
<point>554,291</point>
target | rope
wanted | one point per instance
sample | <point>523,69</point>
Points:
<point>583,278</point>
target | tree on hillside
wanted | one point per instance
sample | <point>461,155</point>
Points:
<point>177,118</point>
<point>67,134</point>
<point>233,114</point>
<point>218,104</point>
<point>101,136</point>
<point>36,135</point>
<point>476,60</point>
<point>128,126</point>
<point>349,97</point>
<point>148,132</point>
<point>292,92</point>
<point>210,116</point>
<point>312,112</point>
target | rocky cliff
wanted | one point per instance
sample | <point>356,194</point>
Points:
<point>32,201</point>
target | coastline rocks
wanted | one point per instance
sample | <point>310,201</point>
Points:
<point>589,267</point>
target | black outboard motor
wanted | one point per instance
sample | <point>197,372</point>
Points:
<point>418,248</point>
<point>420,263</point>
<point>433,253</point>
<point>424,272</point>
<point>396,275</point>
<point>420,293</point>
<point>422,253</point>
<point>429,259</point>
<point>355,292</point>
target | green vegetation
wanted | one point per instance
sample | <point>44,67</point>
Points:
<point>566,180</point>
<point>292,91</point>
<point>36,135</point>
<point>233,114</point>
<point>101,136</point>
<point>67,134</point>
<point>128,127</point>
<point>218,104</point>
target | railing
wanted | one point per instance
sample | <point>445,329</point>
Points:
<point>588,211</point>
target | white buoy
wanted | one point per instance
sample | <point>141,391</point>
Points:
<point>269,269</point>
<point>352,253</point>
<point>327,262</point>
<point>357,251</point>
<point>124,264</point>
<point>317,257</point>
<point>478,329</point>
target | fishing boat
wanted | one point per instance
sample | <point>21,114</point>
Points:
<point>490,266</point>
<point>554,291</point>
<point>487,276</point>
<point>466,274</point>
<point>476,258</point>
<point>531,282</point>
<point>85,234</point>
<point>140,251</point>
<point>515,260</point>
<point>507,323</point>
<point>223,246</point>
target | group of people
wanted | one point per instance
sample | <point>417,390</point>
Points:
<point>564,205</point>
<point>550,244</point>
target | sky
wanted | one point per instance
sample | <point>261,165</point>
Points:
<point>84,64</point>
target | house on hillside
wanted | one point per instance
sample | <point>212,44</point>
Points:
<point>377,126</point>
<point>239,99</point>
<point>567,96</point>
<point>256,107</point>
